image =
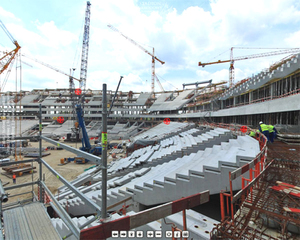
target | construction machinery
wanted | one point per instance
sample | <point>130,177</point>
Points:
<point>86,145</point>
<point>9,57</point>
<point>83,73</point>
<point>153,76</point>
<point>232,60</point>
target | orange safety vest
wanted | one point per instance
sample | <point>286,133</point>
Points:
<point>14,176</point>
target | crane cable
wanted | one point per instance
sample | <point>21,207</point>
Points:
<point>160,77</point>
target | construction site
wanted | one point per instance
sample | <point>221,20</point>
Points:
<point>78,163</point>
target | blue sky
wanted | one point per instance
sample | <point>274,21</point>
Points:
<point>182,33</point>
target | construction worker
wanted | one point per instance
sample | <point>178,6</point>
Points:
<point>264,129</point>
<point>272,133</point>
<point>14,178</point>
<point>252,134</point>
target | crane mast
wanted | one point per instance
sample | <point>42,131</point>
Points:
<point>85,50</point>
<point>146,51</point>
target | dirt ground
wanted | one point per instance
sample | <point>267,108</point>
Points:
<point>69,171</point>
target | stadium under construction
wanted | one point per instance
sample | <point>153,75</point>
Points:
<point>182,147</point>
<point>163,165</point>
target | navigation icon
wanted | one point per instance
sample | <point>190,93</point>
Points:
<point>169,234</point>
<point>150,234</point>
<point>176,234</point>
<point>131,234</point>
<point>185,234</point>
<point>139,234</point>
<point>158,234</point>
<point>123,234</point>
<point>115,234</point>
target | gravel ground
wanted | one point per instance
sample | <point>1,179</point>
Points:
<point>69,171</point>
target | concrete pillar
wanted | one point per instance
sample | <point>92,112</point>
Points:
<point>271,90</point>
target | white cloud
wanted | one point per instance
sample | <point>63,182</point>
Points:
<point>5,15</point>
<point>181,38</point>
<point>54,37</point>
<point>293,39</point>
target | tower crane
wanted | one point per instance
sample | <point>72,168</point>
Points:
<point>232,60</point>
<point>85,51</point>
<point>146,51</point>
<point>8,57</point>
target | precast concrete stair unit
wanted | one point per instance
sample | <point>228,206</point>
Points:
<point>184,176</point>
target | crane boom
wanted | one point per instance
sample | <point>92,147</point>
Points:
<point>8,58</point>
<point>51,67</point>
<point>267,54</point>
<point>146,51</point>
<point>135,43</point>
<point>232,60</point>
<point>9,35</point>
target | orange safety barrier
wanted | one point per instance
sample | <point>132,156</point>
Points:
<point>228,200</point>
<point>45,196</point>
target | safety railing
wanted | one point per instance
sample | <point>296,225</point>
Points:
<point>229,201</point>
<point>44,194</point>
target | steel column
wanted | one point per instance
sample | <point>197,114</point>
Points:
<point>104,152</point>
<point>40,156</point>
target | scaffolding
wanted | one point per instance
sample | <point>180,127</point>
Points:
<point>28,219</point>
<point>44,194</point>
<point>267,206</point>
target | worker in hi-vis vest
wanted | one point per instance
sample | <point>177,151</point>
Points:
<point>272,133</point>
<point>252,134</point>
<point>14,177</point>
<point>263,128</point>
